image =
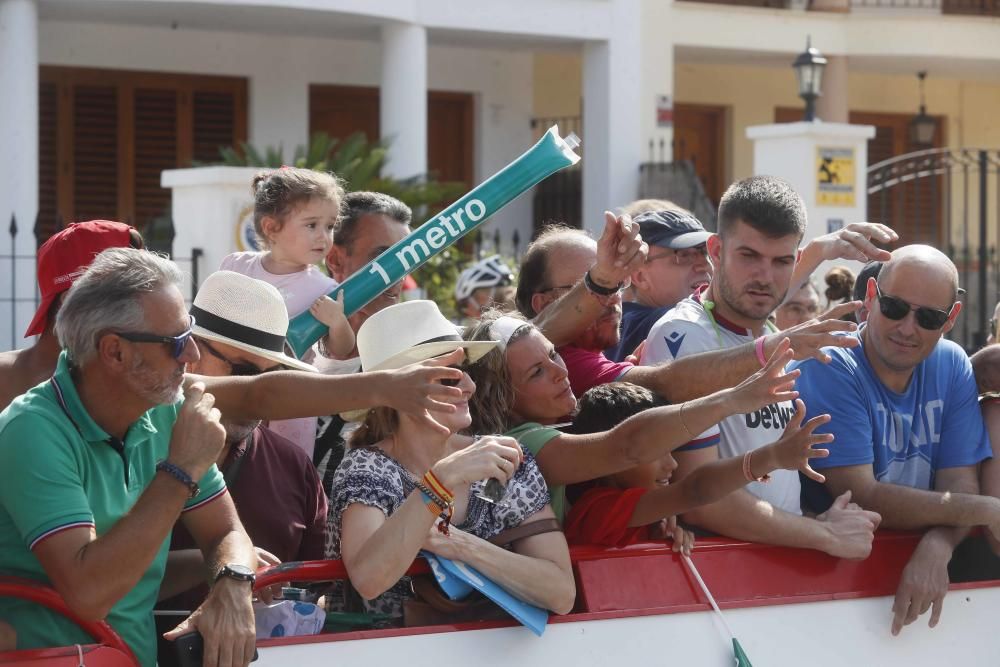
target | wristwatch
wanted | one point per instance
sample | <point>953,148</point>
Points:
<point>238,572</point>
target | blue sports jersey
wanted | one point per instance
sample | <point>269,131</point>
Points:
<point>934,424</point>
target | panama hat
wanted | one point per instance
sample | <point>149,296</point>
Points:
<point>407,333</point>
<point>246,313</point>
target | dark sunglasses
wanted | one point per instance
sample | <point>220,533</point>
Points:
<point>242,369</point>
<point>448,382</point>
<point>176,343</point>
<point>896,309</point>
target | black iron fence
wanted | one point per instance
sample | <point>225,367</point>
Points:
<point>948,198</point>
<point>20,298</point>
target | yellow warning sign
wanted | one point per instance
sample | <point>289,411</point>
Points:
<point>834,176</point>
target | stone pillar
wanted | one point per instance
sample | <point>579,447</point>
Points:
<point>832,105</point>
<point>19,166</point>
<point>826,163</point>
<point>403,106</point>
<point>612,135</point>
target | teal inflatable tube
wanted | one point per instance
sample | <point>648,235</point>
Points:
<point>546,157</point>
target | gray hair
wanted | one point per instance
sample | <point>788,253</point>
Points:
<point>355,205</point>
<point>107,298</point>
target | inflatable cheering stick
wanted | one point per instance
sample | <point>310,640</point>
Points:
<point>546,157</point>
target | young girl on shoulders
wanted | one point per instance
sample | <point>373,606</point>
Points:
<point>294,214</point>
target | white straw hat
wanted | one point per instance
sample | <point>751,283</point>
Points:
<point>407,333</point>
<point>246,313</point>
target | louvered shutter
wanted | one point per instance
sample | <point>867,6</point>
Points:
<point>48,215</point>
<point>95,152</point>
<point>214,124</point>
<point>155,150</point>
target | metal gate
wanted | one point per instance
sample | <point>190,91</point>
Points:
<point>948,198</point>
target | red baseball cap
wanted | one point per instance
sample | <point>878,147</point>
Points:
<point>65,256</point>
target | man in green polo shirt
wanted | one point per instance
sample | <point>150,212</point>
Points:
<point>101,460</point>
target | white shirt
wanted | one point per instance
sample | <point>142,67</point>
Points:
<point>689,328</point>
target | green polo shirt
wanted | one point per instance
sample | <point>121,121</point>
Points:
<point>534,437</point>
<point>61,470</point>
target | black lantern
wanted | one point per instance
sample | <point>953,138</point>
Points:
<point>809,73</point>
<point>922,126</point>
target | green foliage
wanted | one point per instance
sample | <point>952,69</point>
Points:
<point>438,275</point>
<point>356,161</point>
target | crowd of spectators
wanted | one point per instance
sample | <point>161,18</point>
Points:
<point>656,382</point>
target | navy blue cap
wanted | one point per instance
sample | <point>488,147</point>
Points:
<point>671,229</point>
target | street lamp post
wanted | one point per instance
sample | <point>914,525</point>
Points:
<point>922,126</point>
<point>808,67</point>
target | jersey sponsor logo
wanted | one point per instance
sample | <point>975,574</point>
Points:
<point>772,416</point>
<point>674,340</point>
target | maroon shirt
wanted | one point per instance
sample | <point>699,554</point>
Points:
<point>279,498</point>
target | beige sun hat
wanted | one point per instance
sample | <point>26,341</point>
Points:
<point>408,333</point>
<point>246,313</point>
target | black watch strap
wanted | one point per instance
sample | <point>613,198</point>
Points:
<point>238,572</point>
<point>597,289</point>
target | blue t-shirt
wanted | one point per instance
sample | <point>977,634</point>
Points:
<point>637,320</point>
<point>934,424</point>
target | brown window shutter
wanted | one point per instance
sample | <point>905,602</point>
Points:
<point>95,160</point>
<point>155,150</point>
<point>47,119</point>
<point>214,124</point>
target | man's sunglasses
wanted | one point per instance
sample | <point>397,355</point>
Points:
<point>241,369</point>
<point>176,343</point>
<point>895,308</point>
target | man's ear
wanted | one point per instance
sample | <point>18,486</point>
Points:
<point>335,263</point>
<point>539,301</point>
<point>112,352</point>
<point>714,245</point>
<point>639,279</point>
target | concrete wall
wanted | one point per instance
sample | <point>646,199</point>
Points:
<point>280,69</point>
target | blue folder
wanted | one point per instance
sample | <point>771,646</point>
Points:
<point>457,580</point>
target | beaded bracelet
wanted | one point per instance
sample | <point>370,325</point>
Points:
<point>445,510</point>
<point>748,473</point>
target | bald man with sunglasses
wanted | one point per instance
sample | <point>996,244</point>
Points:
<point>909,432</point>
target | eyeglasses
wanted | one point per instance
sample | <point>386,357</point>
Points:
<point>448,382</point>
<point>896,309</point>
<point>684,257</point>
<point>176,343</point>
<point>241,369</point>
<point>624,286</point>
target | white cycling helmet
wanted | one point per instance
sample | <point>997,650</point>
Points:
<point>489,272</point>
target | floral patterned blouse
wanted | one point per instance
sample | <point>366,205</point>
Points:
<point>372,477</point>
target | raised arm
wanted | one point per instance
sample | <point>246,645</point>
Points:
<point>855,242</point>
<point>620,251</point>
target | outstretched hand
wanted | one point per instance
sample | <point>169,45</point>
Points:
<point>417,389</point>
<point>809,338</point>
<point>856,241</point>
<point>620,251</point>
<point>771,384</point>
<point>795,448</point>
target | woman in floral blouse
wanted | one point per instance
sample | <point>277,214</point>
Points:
<point>408,484</point>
